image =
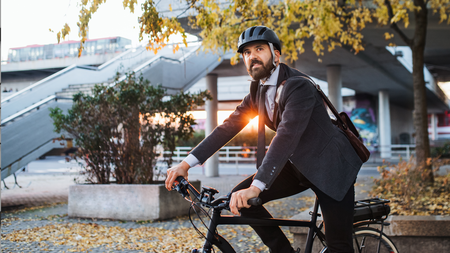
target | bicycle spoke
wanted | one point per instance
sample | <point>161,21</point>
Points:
<point>368,240</point>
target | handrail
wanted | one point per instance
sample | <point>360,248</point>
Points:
<point>30,152</point>
<point>155,59</point>
<point>190,52</point>
<point>30,108</point>
<point>29,88</point>
<point>104,65</point>
<point>46,100</point>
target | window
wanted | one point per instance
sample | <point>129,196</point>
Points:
<point>443,119</point>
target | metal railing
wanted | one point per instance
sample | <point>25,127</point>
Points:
<point>247,154</point>
<point>391,153</point>
<point>157,59</point>
<point>403,150</point>
<point>226,154</point>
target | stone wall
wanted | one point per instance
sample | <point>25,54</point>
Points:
<point>411,234</point>
<point>126,202</point>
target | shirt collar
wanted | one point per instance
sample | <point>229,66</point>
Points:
<point>273,78</point>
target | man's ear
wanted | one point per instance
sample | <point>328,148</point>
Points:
<point>277,56</point>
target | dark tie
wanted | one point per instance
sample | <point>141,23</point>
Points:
<point>261,126</point>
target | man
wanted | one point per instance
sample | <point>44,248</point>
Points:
<point>308,151</point>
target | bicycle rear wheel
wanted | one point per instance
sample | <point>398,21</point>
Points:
<point>367,240</point>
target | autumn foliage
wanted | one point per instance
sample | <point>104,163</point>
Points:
<point>410,194</point>
<point>326,24</point>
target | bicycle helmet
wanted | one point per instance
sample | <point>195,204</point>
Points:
<point>258,33</point>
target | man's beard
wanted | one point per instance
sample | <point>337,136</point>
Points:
<point>262,72</point>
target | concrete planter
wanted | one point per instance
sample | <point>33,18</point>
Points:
<point>126,202</point>
<point>412,234</point>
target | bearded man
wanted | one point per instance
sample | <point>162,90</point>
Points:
<point>308,151</point>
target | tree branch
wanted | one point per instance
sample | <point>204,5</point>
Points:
<point>394,25</point>
<point>192,5</point>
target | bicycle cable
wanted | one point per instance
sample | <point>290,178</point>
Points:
<point>193,205</point>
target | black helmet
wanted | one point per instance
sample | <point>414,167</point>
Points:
<point>258,33</point>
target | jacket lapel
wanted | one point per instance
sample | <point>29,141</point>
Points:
<point>282,76</point>
<point>254,92</point>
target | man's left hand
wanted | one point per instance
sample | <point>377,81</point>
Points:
<point>239,199</point>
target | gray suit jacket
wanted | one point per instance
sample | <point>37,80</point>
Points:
<point>304,136</point>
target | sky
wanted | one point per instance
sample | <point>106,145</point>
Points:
<point>27,22</point>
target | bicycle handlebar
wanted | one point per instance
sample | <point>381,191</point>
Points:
<point>255,202</point>
<point>181,185</point>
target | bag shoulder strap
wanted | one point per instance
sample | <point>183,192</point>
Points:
<point>328,102</point>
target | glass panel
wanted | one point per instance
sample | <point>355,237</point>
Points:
<point>58,51</point>
<point>24,54</point>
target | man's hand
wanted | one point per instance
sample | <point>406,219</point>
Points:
<point>180,169</point>
<point>239,199</point>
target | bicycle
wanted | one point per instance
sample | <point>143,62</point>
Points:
<point>367,212</point>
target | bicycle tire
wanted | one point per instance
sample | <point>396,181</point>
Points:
<point>366,240</point>
<point>387,246</point>
<point>222,244</point>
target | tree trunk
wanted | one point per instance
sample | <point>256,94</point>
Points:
<point>132,154</point>
<point>420,103</point>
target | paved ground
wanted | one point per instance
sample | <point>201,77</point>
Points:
<point>47,182</point>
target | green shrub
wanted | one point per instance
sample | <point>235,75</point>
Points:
<point>122,130</point>
<point>441,152</point>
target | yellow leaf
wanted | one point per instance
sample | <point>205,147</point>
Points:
<point>388,36</point>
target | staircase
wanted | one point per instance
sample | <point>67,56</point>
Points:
<point>67,93</point>
<point>27,129</point>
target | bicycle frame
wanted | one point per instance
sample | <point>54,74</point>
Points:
<point>218,219</point>
<point>367,212</point>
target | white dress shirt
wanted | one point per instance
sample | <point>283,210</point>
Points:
<point>270,106</point>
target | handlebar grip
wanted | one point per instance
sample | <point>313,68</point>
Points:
<point>180,179</point>
<point>255,202</point>
<point>182,186</point>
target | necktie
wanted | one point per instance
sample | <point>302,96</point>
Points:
<point>261,126</point>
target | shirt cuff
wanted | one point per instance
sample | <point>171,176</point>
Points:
<point>191,160</point>
<point>260,185</point>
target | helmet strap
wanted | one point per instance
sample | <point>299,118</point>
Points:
<point>273,62</point>
<point>273,56</point>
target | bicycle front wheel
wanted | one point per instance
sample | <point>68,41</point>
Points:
<point>368,240</point>
<point>219,245</point>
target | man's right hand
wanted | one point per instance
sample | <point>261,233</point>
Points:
<point>180,169</point>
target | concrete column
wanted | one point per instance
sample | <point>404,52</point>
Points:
<point>212,164</point>
<point>334,80</point>
<point>385,124</point>
<point>434,122</point>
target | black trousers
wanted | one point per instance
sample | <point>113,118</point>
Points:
<point>337,215</point>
